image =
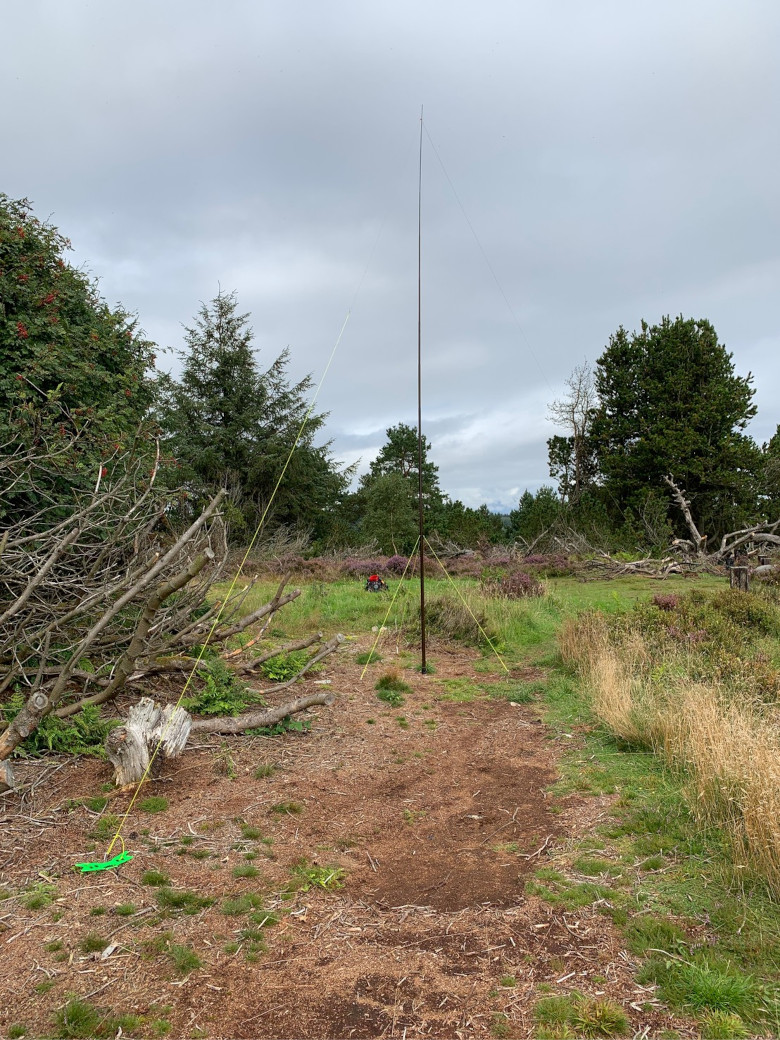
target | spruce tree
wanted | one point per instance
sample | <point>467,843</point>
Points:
<point>230,424</point>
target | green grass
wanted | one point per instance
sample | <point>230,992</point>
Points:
<point>286,808</point>
<point>262,772</point>
<point>153,804</point>
<point>576,1015</point>
<point>663,876</point>
<point>82,1020</point>
<point>155,878</point>
<point>245,870</point>
<point>308,875</point>
<point>243,903</point>
<point>39,896</point>
<point>183,901</point>
<point>93,943</point>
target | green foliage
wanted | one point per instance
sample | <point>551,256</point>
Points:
<point>285,808</point>
<point>286,725</point>
<point>236,906</point>
<point>262,772</point>
<point>187,902</point>
<point>284,666</point>
<point>703,983</point>
<point>69,364</point>
<point>308,875</point>
<point>39,896</point>
<point>184,959</point>
<point>93,943</point>
<point>223,692</point>
<point>369,657</point>
<point>245,870</point>
<point>153,804</point>
<point>391,689</point>
<point>81,734</point>
<point>155,878</point>
<point>80,1020</point>
<point>723,1025</point>
<point>450,618</point>
<point>229,424</point>
<point>671,403</point>
<point>577,1015</point>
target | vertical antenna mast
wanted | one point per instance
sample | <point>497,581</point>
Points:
<point>423,667</point>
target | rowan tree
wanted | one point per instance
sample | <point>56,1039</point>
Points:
<point>74,372</point>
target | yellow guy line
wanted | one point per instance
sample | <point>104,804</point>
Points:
<point>142,781</point>
<point>468,608</point>
<point>392,601</point>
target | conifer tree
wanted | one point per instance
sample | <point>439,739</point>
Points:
<point>230,424</point>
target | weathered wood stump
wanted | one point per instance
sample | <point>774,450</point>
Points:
<point>739,578</point>
<point>130,748</point>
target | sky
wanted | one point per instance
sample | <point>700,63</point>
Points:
<point>585,165</point>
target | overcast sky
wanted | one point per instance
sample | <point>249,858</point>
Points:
<point>586,165</point>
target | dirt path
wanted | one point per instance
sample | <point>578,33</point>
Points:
<point>436,812</point>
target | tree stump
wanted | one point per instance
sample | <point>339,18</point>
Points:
<point>130,747</point>
<point>739,578</point>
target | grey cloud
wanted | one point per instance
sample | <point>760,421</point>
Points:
<point>615,161</point>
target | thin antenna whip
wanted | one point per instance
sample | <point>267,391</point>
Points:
<point>423,667</point>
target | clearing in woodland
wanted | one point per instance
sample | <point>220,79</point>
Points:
<point>473,855</point>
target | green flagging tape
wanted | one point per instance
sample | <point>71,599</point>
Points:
<point>109,864</point>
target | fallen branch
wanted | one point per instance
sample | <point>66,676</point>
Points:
<point>259,719</point>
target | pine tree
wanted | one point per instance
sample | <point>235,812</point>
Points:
<point>671,403</point>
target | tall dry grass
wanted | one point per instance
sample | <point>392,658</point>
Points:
<point>726,744</point>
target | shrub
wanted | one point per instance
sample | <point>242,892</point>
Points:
<point>666,601</point>
<point>284,666</point>
<point>397,564</point>
<point>452,619</point>
<point>81,734</point>
<point>514,585</point>
<point>222,694</point>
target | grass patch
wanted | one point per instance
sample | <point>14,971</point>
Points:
<point>155,878</point>
<point>285,809</point>
<point>182,901</point>
<point>262,772</point>
<point>577,1015</point>
<point>153,804</point>
<point>93,943</point>
<point>82,1020</point>
<point>105,827</point>
<point>245,870</point>
<point>39,896</point>
<point>391,689</point>
<point>243,903</point>
<point>368,658</point>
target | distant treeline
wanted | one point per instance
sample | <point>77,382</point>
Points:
<point>79,376</point>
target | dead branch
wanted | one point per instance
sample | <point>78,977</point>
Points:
<point>258,719</point>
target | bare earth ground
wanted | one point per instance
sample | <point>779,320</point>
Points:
<point>436,826</point>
